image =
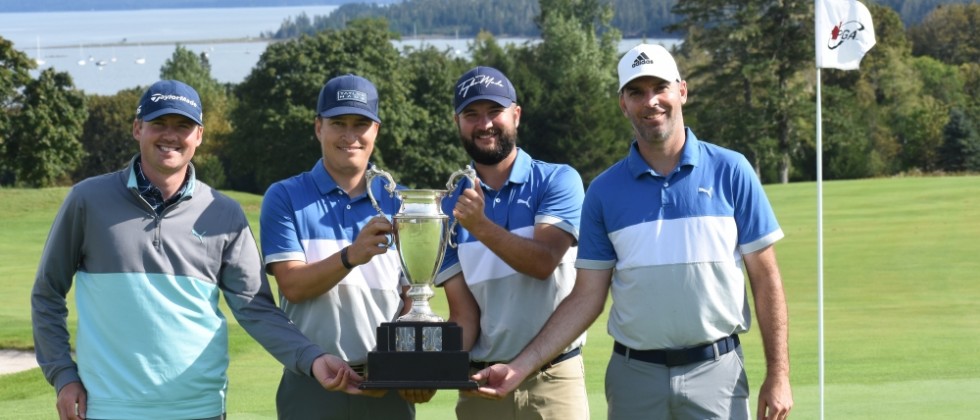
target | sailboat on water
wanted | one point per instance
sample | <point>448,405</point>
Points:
<point>81,53</point>
<point>37,54</point>
<point>142,58</point>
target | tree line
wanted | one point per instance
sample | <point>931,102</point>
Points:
<point>913,107</point>
<point>467,18</point>
<point>62,5</point>
<point>515,18</point>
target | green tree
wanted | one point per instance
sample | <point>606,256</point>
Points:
<point>970,75</point>
<point>566,87</point>
<point>216,101</point>
<point>14,74</point>
<point>444,17</point>
<point>961,144</point>
<point>43,146</point>
<point>949,33</point>
<point>848,152</point>
<point>432,151</point>
<point>908,118</point>
<point>107,136</point>
<point>750,59</point>
<point>273,118</point>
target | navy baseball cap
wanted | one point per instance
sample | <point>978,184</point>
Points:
<point>348,94</point>
<point>483,83</point>
<point>170,97</point>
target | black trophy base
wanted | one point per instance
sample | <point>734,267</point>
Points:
<point>409,366</point>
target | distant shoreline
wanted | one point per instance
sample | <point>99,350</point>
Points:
<point>126,44</point>
<point>152,43</point>
<point>115,6</point>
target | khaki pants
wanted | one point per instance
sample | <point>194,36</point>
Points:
<point>557,393</point>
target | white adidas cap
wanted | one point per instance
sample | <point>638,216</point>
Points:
<point>647,60</point>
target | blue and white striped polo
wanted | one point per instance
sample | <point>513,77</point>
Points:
<point>513,305</point>
<point>676,243</point>
<point>308,218</point>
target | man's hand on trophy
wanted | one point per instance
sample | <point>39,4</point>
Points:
<point>335,375</point>
<point>417,396</point>
<point>495,382</point>
<point>469,207</point>
<point>374,239</point>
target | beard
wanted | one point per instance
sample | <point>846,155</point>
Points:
<point>506,141</point>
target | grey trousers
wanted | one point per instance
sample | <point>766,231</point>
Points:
<point>713,389</point>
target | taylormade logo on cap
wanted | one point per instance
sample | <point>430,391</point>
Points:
<point>647,60</point>
<point>170,97</point>
<point>161,97</point>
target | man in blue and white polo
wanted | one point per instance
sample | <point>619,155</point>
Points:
<point>514,262</point>
<point>669,230</point>
<point>326,245</point>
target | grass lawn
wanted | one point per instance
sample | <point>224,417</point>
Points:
<point>901,319</point>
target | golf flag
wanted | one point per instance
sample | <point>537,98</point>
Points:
<point>844,33</point>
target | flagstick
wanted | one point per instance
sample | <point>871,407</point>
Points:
<point>830,17</point>
<point>820,360</point>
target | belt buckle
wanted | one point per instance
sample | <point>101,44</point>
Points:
<point>675,358</point>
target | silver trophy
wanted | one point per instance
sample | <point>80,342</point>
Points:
<point>421,236</point>
<point>420,349</point>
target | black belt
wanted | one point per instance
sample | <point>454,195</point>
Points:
<point>680,357</point>
<point>561,358</point>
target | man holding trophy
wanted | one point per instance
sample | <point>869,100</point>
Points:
<point>515,255</point>
<point>326,245</point>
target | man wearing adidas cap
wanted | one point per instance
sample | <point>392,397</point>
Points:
<point>150,248</point>
<point>326,246</point>
<point>514,262</point>
<point>668,230</point>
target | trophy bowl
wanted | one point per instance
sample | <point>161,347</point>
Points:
<point>420,237</point>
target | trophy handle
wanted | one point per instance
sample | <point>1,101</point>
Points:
<point>389,185</point>
<point>470,173</point>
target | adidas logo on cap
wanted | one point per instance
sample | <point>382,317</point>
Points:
<point>647,60</point>
<point>641,60</point>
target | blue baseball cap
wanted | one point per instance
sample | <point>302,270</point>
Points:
<point>484,83</point>
<point>348,94</point>
<point>170,97</point>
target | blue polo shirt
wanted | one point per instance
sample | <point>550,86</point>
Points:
<point>514,306</point>
<point>676,243</point>
<point>307,218</point>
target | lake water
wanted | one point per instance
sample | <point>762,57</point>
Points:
<point>106,51</point>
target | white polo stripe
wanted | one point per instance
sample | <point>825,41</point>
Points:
<point>678,241</point>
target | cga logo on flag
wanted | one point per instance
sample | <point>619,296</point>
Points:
<point>844,32</point>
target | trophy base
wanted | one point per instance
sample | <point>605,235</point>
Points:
<point>418,385</point>
<point>420,317</point>
<point>423,363</point>
<point>412,370</point>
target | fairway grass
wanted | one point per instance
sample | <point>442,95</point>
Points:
<point>901,318</point>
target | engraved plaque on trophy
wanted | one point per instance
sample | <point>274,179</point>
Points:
<point>420,349</point>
